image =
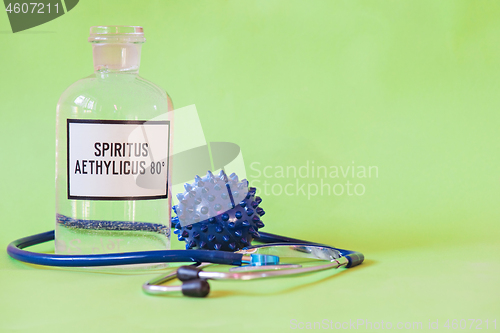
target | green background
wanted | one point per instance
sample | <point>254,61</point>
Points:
<point>408,86</point>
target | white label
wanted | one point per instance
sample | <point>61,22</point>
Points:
<point>117,159</point>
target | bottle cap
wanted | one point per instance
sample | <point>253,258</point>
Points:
<point>116,34</point>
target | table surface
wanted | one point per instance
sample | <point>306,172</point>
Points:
<point>412,286</point>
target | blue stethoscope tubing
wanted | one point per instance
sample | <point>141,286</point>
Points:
<point>15,250</point>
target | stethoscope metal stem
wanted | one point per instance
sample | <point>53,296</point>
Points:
<point>155,287</point>
<point>336,263</point>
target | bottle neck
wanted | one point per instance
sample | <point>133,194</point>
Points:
<point>116,57</point>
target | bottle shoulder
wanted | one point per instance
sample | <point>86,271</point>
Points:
<point>117,95</point>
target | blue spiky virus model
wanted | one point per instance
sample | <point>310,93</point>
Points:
<point>217,213</point>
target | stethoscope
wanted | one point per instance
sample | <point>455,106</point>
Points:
<point>253,262</point>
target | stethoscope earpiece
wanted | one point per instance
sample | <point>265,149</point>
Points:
<point>188,273</point>
<point>192,285</point>
<point>195,288</point>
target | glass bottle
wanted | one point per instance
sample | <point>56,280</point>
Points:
<point>113,133</point>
